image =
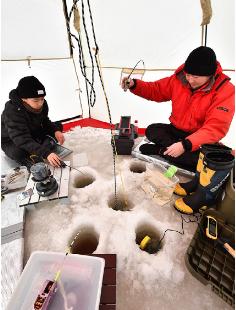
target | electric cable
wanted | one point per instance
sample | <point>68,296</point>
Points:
<point>182,227</point>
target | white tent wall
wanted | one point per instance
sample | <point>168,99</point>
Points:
<point>37,30</point>
<point>221,32</point>
<point>59,79</point>
<point>162,34</point>
<point>33,28</point>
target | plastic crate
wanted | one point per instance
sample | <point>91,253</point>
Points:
<point>209,262</point>
<point>227,204</point>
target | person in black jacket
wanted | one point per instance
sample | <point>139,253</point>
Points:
<point>26,125</point>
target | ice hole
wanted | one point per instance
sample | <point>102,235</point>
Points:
<point>86,241</point>
<point>145,229</point>
<point>120,202</point>
<point>83,180</point>
<point>137,167</point>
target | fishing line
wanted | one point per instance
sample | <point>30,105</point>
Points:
<point>63,165</point>
<point>59,271</point>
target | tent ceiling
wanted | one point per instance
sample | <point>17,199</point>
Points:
<point>34,28</point>
<point>162,33</point>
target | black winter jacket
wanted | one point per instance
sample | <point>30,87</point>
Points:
<point>26,129</point>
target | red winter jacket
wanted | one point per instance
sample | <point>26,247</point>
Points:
<point>206,113</point>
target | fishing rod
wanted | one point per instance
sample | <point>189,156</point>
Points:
<point>127,82</point>
<point>49,287</point>
<point>63,165</point>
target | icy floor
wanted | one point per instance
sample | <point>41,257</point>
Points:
<point>144,281</point>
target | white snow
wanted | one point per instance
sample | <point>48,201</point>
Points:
<point>144,281</point>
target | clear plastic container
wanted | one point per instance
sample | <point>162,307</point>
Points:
<point>79,287</point>
<point>15,178</point>
<point>158,186</point>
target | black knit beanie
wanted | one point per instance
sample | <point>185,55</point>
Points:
<point>201,61</point>
<point>30,87</point>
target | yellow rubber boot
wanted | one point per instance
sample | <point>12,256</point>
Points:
<point>179,190</point>
<point>184,189</point>
<point>182,207</point>
<point>217,167</point>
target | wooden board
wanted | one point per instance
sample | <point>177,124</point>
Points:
<point>62,177</point>
<point>108,294</point>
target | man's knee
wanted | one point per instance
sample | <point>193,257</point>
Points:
<point>156,131</point>
<point>151,130</point>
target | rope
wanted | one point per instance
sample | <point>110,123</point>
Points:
<point>97,59</point>
<point>206,18</point>
<point>91,56</point>
<point>205,36</point>
<point>76,73</point>
<point>114,153</point>
<point>81,54</point>
<point>206,12</point>
<point>76,19</point>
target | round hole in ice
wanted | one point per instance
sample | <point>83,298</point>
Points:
<point>137,167</point>
<point>153,245</point>
<point>83,180</point>
<point>119,202</point>
<point>86,242</point>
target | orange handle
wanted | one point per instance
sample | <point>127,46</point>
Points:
<point>229,249</point>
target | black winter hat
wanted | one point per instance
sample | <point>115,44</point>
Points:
<point>201,61</point>
<point>30,87</point>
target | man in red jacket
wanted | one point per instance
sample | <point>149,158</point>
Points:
<point>202,108</point>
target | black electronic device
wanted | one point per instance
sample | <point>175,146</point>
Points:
<point>211,229</point>
<point>124,126</point>
<point>61,151</point>
<point>125,135</point>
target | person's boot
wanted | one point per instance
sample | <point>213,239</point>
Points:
<point>184,189</point>
<point>215,171</point>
